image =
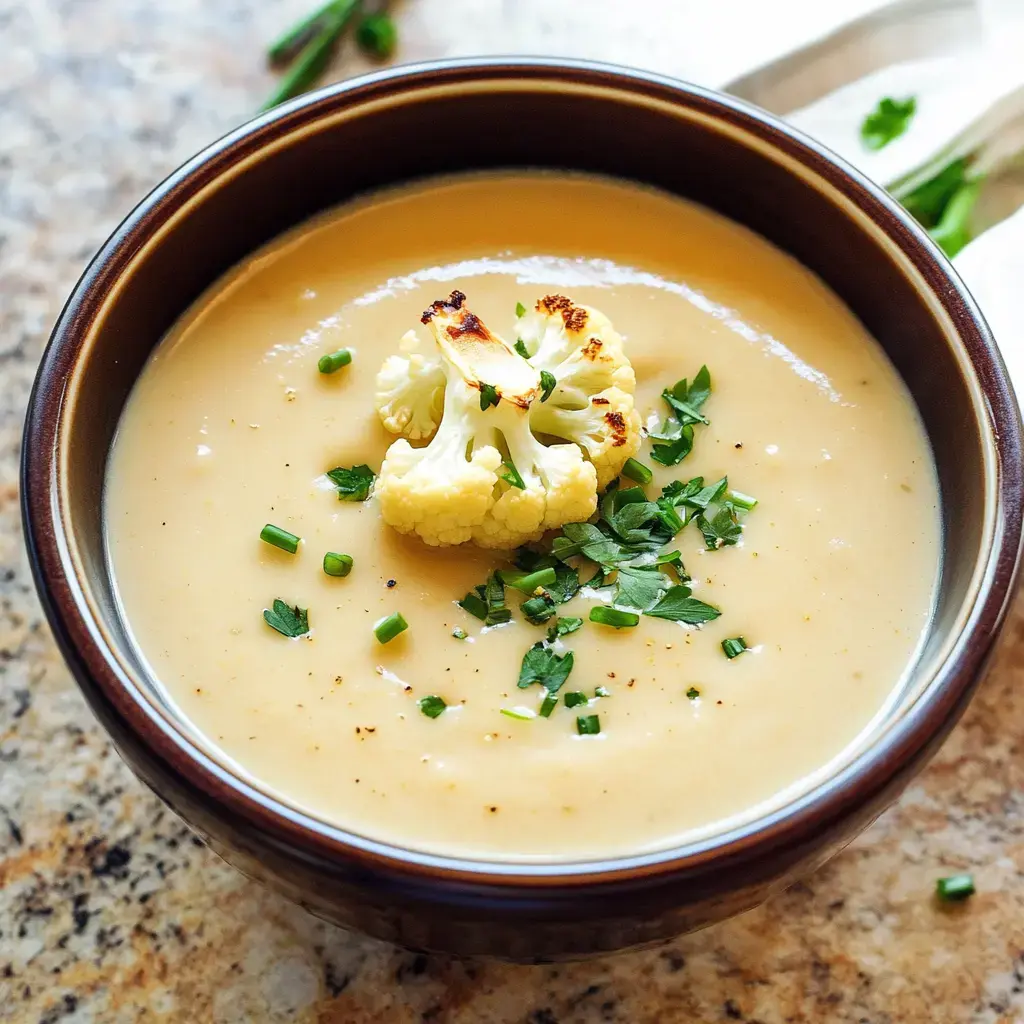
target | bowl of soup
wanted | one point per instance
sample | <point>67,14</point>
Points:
<point>523,509</point>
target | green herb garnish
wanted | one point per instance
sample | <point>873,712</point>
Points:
<point>336,564</point>
<point>377,36</point>
<point>602,691</point>
<point>542,665</point>
<point>547,705</point>
<point>387,629</point>
<point>431,705</point>
<point>334,361</point>
<point>678,606</point>
<point>734,647</point>
<point>693,693</point>
<point>353,484</point>
<point>538,609</point>
<point>459,633</point>
<point>721,530</point>
<point>614,617</point>
<point>573,699</point>
<point>519,713</point>
<point>640,588</point>
<point>684,401</point>
<point>488,396</point>
<point>953,231</point>
<point>279,538</point>
<point>955,888</point>
<point>588,725</point>
<point>287,620</point>
<point>487,602</point>
<point>511,475</point>
<point>548,382</point>
<point>744,502</point>
<point>888,121</point>
<point>637,471</point>
<point>563,627</point>
<point>527,583</point>
<point>943,205</point>
<point>520,310</point>
<point>312,43</point>
<point>521,348</point>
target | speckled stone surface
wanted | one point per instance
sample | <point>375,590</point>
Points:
<point>111,912</point>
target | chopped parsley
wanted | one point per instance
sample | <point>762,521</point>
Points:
<point>431,705</point>
<point>721,530</point>
<point>693,693</point>
<point>547,705</point>
<point>542,665</point>
<point>488,396</point>
<point>602,691</point>
<point>459,633</point>
<point>640,588</point>
<point>548,382</point>
<point>520,310</point>
<point>487,602</point>
<point>678,606</point>
<point>888,121</point>
<point>734,647</point>
<point>563,627</point>
<point>287,620</point>
<point>353,484</point>
<point>684,401</point>
<point>573,699</point>
<point>522,349</point>
<point>588,725</point>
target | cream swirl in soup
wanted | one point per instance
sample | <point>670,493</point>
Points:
<point>662,730</point>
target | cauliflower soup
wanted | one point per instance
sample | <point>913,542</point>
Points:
<point>525,516</point>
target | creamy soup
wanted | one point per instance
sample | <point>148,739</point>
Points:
<point>231,427</point>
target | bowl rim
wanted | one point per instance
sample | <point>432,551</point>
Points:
<point>873,769</point>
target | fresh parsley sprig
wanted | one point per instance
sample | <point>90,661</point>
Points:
<point>888,121</point>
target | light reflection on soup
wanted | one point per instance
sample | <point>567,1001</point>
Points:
<point>231,427</point>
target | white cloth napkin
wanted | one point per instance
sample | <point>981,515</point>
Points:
<point>992,267</point>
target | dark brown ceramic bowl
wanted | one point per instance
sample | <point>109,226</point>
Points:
<point>319,151</point>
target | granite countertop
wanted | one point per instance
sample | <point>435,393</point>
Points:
<point>111,912</point>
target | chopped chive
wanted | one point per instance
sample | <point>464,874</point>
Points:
<point>431,705</point>
<point>538,609</point>
<point>548,704</point>
<point>459,633</point>
<point>520,309</point>
<point>955,888</point>
<point>573,699</point>
<point>387,629</point>
<point>315,55</point>
<point>289,43</point>
<point>740,500</point>
<point>693,693</point>
<point>637,471</point>
<point>613,617</point>
<point>602,691</point>
<point>279,538</point>
<point>527,583</point>
<point>734,647</point>
<point>336,564</point>
<point>377,35</point>
<point>519,713</point>
<point>588,725</point>
<point>334,361</point>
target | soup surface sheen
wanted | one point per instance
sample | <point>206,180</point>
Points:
<point>231,427</point>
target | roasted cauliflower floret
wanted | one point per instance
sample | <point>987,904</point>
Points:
<point>410,390</point>
<point>592,401</point>
<point>460,486</point>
